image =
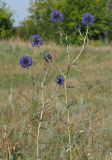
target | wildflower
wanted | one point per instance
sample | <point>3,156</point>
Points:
<point>26,61</point>
<point>78,27</point>
<point>88,19</point>
<point>36,40</point>
<point>48,58</point>
<point>56,17</point>
<point>60,80</point>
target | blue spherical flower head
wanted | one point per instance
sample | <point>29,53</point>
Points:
<point>60,80</point>
<point>88,19</point>
<point>56,17</point>
<point>26,61</point>
<point>36,40</point>
<point>78,27</point>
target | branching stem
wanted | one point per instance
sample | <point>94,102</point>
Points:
<point>81,48</point>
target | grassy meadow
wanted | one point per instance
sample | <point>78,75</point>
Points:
<point>89,88</point>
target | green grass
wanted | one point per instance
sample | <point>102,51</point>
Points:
<point>89,93</point>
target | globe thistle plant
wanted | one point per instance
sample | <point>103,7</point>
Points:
<point>26,61</point>
<point>56,17</point>
<point>62,78</point>
<point>88,19</point>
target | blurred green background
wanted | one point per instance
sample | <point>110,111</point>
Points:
<point>38,20</point>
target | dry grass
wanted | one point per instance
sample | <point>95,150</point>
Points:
<point>89,89</point>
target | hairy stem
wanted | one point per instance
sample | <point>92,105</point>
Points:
<point>68,120</point>
<point>81,35</point>
<point>81,48</point>
<point>71,63</point>
<point>41,115</point>
<point>66,100</point>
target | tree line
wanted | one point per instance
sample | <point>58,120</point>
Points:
<point>38,20</point>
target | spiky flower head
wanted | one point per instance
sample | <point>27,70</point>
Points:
<point>26,61</point>
<point>48,58</point>
<point>88,19</point>
<point>60,80</point>
<point>78,27</point>
<point>36,40</point>
<point>56,17</point>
